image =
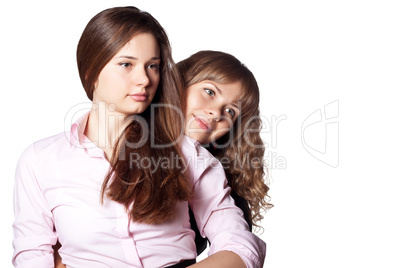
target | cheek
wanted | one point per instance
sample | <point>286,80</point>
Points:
<point>222,129</point>
<point>104,91</point>
<point>153,91</point>
<point>187,105</point>
<point>108,82</point>
<point>156,78</point>
<point>194,103</point>
<point>154,83</point>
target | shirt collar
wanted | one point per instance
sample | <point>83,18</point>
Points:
<point>193,143</point>
<point>79,140</point>
<point>76,137</point>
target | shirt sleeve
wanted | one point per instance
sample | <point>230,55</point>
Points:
<point>221,221</point>
<point>33,225</point>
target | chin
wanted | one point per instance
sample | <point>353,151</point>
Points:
<point>196,137</point>
<point>138,111</point>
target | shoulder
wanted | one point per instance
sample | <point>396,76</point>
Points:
<point>44,147</point>
<point>51,143</point>
<point>36,158</point>
<point>198,160</point>
<point>192,148</point>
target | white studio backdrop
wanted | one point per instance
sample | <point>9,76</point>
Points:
<point>328,71</point>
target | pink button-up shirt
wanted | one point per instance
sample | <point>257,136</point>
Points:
<point>57,197</point>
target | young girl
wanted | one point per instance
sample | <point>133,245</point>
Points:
<point>125,65</point>
<point>221,99</point>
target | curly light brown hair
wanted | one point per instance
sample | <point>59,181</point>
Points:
<point>241,150</point>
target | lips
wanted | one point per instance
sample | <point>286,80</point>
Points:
<point>202,123</point>
<point>139,96</point>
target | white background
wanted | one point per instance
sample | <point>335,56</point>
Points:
<point>305,55</point>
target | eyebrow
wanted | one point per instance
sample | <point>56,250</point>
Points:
<point>235,105</point>
<point>220,92</point>
<point>217,88</point>
<point>135,58</point>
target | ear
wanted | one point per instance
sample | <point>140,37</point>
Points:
<point>94,87</point>
<point>96,84</point>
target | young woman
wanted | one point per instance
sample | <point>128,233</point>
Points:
<point>221,99</point>
<point>90,189</point>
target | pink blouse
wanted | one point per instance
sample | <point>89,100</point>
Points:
<point>57,197</point>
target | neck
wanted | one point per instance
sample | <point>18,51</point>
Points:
<point>104,127</point>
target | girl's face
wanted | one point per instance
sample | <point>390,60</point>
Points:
<point>211,110</point>
<point>128,82</point>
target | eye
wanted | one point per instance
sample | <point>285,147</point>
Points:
<point>210,92</point>
<point>231,112</point>
<point>126,64</point>
<point>153,66</point>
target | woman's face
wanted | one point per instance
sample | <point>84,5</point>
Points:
<point>211,109</point>
<point>128,82</point>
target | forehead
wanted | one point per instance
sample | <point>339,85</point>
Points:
<point>141,43</point>
<point>231,91</point>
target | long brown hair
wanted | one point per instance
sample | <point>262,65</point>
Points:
<point>150,193</point>
<point>242,150</point>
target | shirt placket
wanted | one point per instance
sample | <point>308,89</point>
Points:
<point>128,243</point>
<point>122,221</point>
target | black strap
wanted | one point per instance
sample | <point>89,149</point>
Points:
<point>200,242</point>
<point>243,205</point>
<point>183,264</point>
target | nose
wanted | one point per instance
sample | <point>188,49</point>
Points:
<point>141,77</point>
<point>214,113</point>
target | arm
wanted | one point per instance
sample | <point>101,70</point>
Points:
<point>33,224</point>
<point>222,222</point>
<point>221,259</point>
<point>57,259</point>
